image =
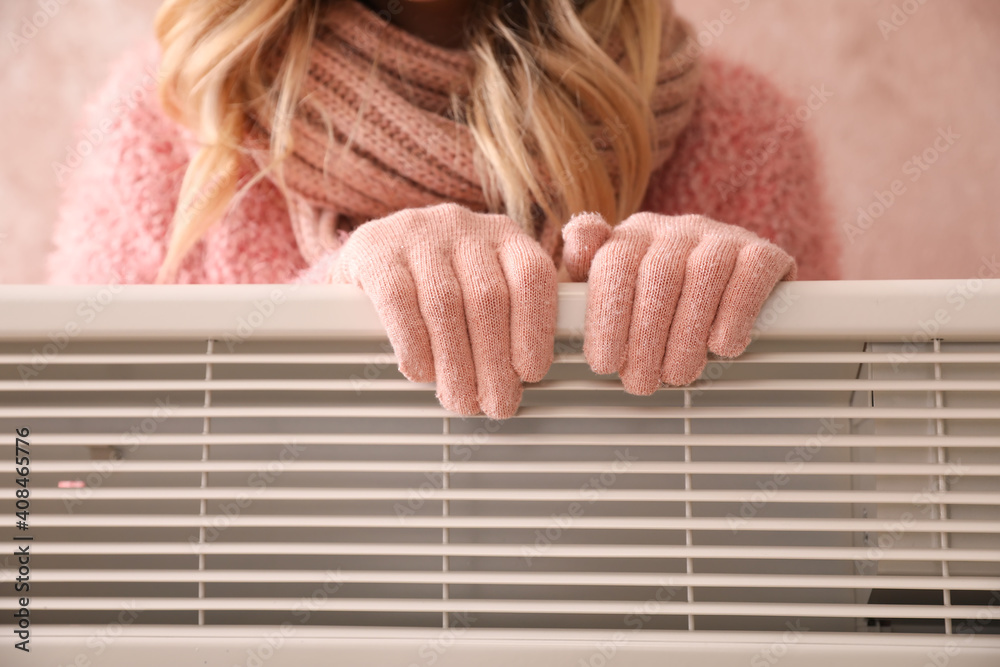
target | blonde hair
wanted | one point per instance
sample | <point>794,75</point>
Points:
<point>543,85</point>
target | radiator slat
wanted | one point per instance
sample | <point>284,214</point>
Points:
<point>590,412</point>
<point>623,551</point>
<point>536,439</point>
<point>250,385</point>
<point>531,467</point>
<point>518,578</point>
<point>656,608</point>
<point>517,495</point>
<point>383,358</point>
<point>512,522</point>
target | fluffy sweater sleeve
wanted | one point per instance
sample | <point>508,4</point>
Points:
<point>747,158</point>
<point>119,198</point>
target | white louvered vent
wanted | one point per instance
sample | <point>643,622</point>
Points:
<point>211,459</point>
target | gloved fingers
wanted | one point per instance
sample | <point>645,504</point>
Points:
<point>394,296</point>
<point>707,273</point>
<point>583,236</point>
<point>533,284</point>
<point>658,289</point>
<point>443,310</point>
<point>759,268</point>
<point>610,299</point>
<point>488,317</point>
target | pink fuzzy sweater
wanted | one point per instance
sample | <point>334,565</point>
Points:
<point>745,159</point>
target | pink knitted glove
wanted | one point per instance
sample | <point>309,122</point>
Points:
<point>468,300</point>
<point>666,289</point>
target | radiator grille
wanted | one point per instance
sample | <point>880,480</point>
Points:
<point>827,483</point>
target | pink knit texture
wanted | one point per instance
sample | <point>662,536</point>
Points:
<point>468,300</point>
<point>664,290</point>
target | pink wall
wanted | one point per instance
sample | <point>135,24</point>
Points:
<point>892,95</point>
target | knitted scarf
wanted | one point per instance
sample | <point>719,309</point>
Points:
<point>387,95</point>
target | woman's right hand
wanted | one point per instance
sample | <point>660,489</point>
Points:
<point>468,301</point>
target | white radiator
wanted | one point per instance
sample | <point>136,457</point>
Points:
<point>239,475</point>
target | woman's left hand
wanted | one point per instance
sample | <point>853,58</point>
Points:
<point>664,290</point>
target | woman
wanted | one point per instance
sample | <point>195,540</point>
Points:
<point>450,157</point>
